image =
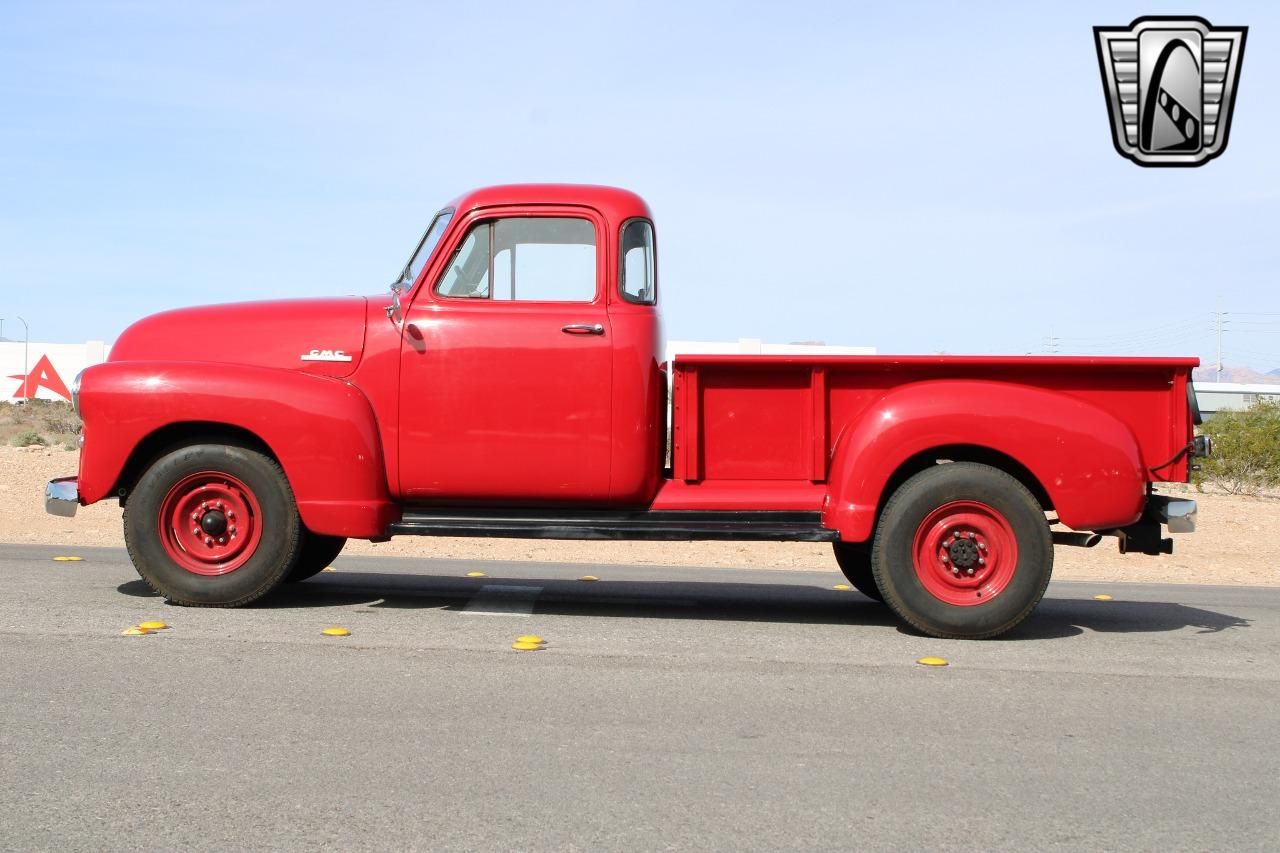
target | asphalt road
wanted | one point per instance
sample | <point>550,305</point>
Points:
<point>672,708</point>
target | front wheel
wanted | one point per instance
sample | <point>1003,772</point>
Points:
<point>212,525</point>
<point>962,551</point>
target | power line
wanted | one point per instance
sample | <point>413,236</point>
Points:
<point>1167,327</point>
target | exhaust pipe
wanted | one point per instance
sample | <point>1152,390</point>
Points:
<point>1079,540</point>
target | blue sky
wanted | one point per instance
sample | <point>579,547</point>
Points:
<point>916,177</point>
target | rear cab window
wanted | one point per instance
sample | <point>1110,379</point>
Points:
<point>636,270</point>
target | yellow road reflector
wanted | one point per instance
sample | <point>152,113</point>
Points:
<point>328,569</point>
<point>475,574</point>
<point>526,647</point>
<point>1103,597</point>
<point>842,586</point>
<point>135,631</point>
<point>153,626</point>
<point>335,632</point>
<point>932,662</point>
<point>530,638</point>
<point>588,578</point>
<point>68,559</point>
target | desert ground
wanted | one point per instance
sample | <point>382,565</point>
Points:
<point>1238,540</point>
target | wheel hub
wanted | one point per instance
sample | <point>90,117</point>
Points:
<point>214,522</point>
<point>210,523</point>
<point>965,553</point>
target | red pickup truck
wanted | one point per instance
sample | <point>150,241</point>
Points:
<point>511,384</point>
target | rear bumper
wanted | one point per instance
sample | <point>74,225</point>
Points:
<point>62,497</point>
<point>1144,536</point>
<point>1176,514</point>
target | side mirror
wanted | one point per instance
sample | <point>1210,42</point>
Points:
<point>394,312</point>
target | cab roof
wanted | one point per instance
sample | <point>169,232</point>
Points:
<point>616,204</point>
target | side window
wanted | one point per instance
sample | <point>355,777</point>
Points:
<point>542,259</point>
<point>468,274</point>
<point>636,270</point>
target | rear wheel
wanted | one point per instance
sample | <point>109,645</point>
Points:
<point>317,552</point>
<point>854,559</point>
<point>962,551</point>
<point>212,525</point>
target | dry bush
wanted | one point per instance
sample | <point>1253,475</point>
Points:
<point>26,439</point>
<point>1246,450</point>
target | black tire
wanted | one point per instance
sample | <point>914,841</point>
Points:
<point>264,565</point>
<point>920,499</point>
<point>854,559</point>
<point>317,552</point>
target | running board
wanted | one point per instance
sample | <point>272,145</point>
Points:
<point>674,525</point>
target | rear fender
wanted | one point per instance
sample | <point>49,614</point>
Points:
<point>321,430</point>
<point>1086,460</point>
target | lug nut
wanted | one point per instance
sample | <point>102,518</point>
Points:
<point>954,570</point>
<point>972,535</point>
<point>982,546</point>
<point>222,540</point>
<point>204,504</point>
<point>219,504</point>
<point>945,558</point>
<point>195,516</point>
<point>968,571</point>
<point>231,516</point>
<point>208,540</point>
<point>233,530</point>
<point>981,562</point>
<point>195,531</point>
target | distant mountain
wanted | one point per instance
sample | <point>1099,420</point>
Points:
<point>1242,375</point>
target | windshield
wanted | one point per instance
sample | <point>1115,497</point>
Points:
<point>425,248</point>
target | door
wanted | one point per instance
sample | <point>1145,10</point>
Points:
<point>505,378</point>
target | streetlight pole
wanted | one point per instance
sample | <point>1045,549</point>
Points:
<point>26,367</point>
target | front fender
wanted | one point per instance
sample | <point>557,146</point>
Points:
<point>1087,460</point>
<point>321,430</point>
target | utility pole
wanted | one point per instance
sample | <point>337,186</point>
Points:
<point>1218,365</point>
<point>26,368</point>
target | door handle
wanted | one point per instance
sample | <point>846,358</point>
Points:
<point>583,329</point>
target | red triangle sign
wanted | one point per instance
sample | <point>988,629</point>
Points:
<point>41,376</point>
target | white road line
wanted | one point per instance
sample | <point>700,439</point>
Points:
<point>502,600</point>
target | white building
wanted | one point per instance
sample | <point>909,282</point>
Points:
<point>43,370</point>
<point>1231,396</point>
<point>754,346</point>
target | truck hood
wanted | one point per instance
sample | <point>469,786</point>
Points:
<point>321,336</point>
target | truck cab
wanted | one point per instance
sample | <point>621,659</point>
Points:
<point>530,347</point>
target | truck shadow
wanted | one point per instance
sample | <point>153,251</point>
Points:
<point>714,600</point>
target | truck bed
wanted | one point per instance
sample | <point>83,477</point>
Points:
<point>770,425</point>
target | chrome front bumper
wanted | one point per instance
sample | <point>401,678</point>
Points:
<point>1176,514</point>
<point>62,497</point>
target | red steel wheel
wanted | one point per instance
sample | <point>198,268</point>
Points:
<point>965,553</point>
<point>962,550</point>
<point>210,523</point>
